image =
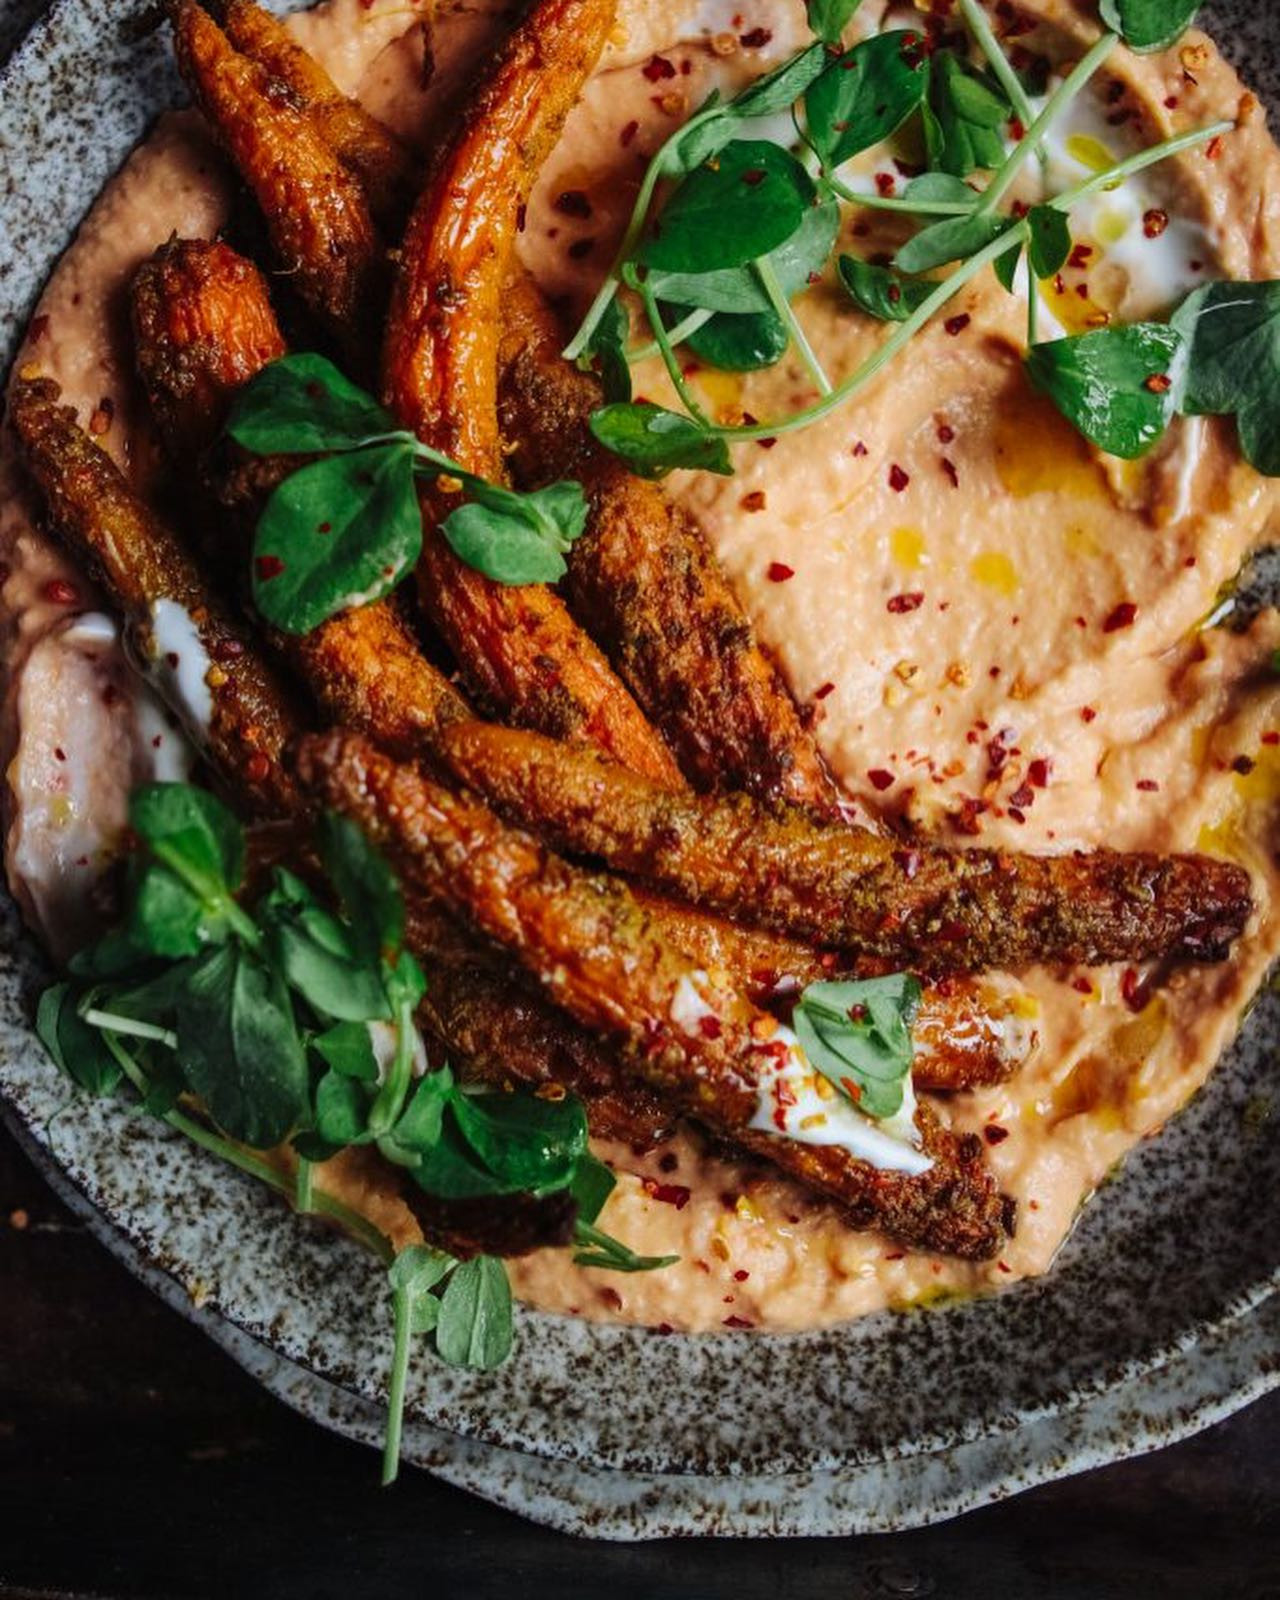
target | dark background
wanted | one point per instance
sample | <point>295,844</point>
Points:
<point>136,1461</point>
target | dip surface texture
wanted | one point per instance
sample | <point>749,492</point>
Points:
<point>997,628</point>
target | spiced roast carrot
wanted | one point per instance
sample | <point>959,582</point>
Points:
<point>597,955</point>
<point>930,908</point>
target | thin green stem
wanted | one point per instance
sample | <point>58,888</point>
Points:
<point>976,19</point>
<point>879,202</point>
<point>390,1100</point>
<point>245,1161</point>
<point>678,334</point>
<point>669,359</point>
<point>1116,175</point>
<point>130,1027</point>
<point>768,275</point>
<point>901,337</point>
<point>304,1185</point>
<point>1057,103</point>
<point>403,1300</point>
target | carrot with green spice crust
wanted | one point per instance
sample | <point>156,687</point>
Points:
<point>599,957</point>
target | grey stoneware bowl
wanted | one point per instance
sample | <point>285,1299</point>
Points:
<point>1156,1319</point>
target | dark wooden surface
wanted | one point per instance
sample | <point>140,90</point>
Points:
<point>137,1461</point>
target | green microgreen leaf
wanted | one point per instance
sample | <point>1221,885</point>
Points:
<point>829,18</point>
<point>740,205</point>
<point>367,887</point>
<point>1118,386</point>
<point>881,292</point>
<point>1050,241</point>
<point>517,538</point>
<point>966,117</point>
<point>303,405</point>
<point>338,533</point>
<point>238,1047</point>
<point>866,94</point>
<point>1232,335</point>
<point>1149,25</point>
<point>601,1250</point>
<point>527,1142</point>
<point>475,1325</point>
<point>347,1048</point>
<point>654,441</point>
<point>940,188</point>
<point>737,290</point>
<point>318,955</point>
<point>740,343</point>
<point>166,918</point>
<point>341,1115</point>
<point>77,1049</point>
<point>419,1126</point>
<point>592,1185</point>
<point>858,1034</point>
<point>779,89</point>
<point>605,352</point>
<point>949,240</point>
<point>192,832</point>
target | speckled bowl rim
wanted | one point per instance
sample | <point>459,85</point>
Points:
<point>697,1434</point>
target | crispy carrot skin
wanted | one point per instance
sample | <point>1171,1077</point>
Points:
<point>644,582</point>
<point>373,155</point>
<point>519,648</point>
<point>316,212</point>
<point>203,325</point>
<point>138,561</point>
<point>934,909</point>
<point>594,949</point>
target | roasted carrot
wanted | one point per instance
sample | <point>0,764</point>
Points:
<point>645,583</point>
<point>236,709</point>
<point>365,146</point>
<point>933,909</point>
<point>596,953</point>
<point>316,211</point>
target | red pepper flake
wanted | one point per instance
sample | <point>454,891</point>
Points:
<point>611,1298</point>
<point>738,1322</point>
<point>946,433</point>
<point>779,572</point>
<point>1131,989</point>
<point>886,183</point>
<point>753,177</point>
<point>1087,713</point>
<point>628,133</point>
<point>1017,130</point>
<point>1148,785</point>
<point>1023,796</point>
<point>741,1275</point>
<point>268,567</point>
<point>1082,985</point>
<point>257,767</point>
<point>59,592</point>
<point>995,1135</point>
<point>580,249</point>
<point>1120,617</point>
<point>824,689</point>
<point>898,479</point>
<point>59,754</point>
<point>710,1027</point>
<point>949,467</point>
<point>956,325</point>
<point>663,1327</point>
<point>1159,383</point>
<point>226,649</point>
<point>1213,149</point>
<point>893,1255</point>
<point>878,778</point>
<point>755,501</point>
<point>756,39</point>
<point>1020,209</point>
<point>768,444</point>
<point>1171,102</point>
<point>38,329</point>
<point>670,1194</point>
<point>659,69</point>
<point>1271,737</point>
<point>1004,1266</point>
<point>899,604</point>
<point>859,449</point>
<point>1079,257</point>
<point>1154,222</point>
<point>522,217</point>
<point>573,203</point>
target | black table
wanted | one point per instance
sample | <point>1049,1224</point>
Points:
<point>136,1460</point>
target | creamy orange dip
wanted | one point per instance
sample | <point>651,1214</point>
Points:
<point>998,628</point>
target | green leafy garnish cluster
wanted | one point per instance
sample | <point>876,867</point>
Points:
<point>344,530</point>
<point>747,224</point>
<point>857,1033</point>
<point>293,1020</point>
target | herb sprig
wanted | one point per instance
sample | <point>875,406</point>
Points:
<point>726,220</point>
<point>289,1023</point>
<point>345,529</point>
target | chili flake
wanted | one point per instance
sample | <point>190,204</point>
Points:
<point>898,479</point>
<point>899,604</point>
<point>878,778</point>
<point>779,572</point>
<point>658,69</point>
<point>1121,616</point>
